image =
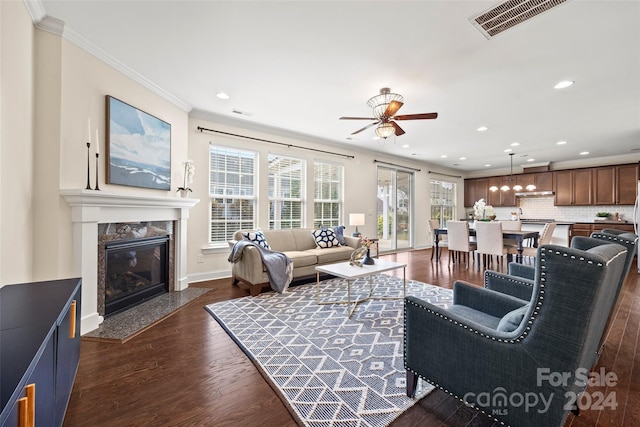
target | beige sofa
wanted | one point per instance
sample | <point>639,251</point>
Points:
<point>297,244</point>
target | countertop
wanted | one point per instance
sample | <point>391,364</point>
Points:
<point>544,221</point>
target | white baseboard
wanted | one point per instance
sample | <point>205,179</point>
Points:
<point>209,275</point>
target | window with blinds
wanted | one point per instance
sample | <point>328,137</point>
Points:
<point>286,192</point>
<point>232,191</point>
<point>327,197</point>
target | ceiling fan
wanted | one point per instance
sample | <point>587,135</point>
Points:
<point>385,106</point>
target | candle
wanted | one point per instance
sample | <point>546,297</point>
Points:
<point>89,129</point>
<point>97,143</point>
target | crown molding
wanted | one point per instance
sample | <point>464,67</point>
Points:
<point>51,25</point>
<point>36,10</point>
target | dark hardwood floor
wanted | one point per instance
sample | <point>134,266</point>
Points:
<point>186,371</point>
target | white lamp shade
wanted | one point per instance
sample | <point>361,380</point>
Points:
<point>356,219</point>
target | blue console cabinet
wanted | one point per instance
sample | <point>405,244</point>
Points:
<point>39,351</point>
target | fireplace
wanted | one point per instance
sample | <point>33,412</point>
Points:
<point>94,211</point>
<point>135,271</point>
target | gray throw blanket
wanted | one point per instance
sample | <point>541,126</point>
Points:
<point>279,266</point>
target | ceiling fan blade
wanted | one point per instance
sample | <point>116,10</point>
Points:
<point>416,116</point>
<point>392,108</point>
<point>366,127</point>
<point>399,130</point>
<point>358,118</point>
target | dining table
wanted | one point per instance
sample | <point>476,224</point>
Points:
<point>518,235</point>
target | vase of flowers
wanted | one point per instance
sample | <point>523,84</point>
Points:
<point>482,211</point>
<point>189,171</point>
<point>366,242</point>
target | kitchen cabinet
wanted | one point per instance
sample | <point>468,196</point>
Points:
<point>543,181</point>
<point>615,185</point>
<point>39,350</point>
<point>474,190</point>
<point>573,187</point>
<point>626,184</point>
<point>586,228</point>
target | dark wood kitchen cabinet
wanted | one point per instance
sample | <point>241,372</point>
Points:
<point>626,184</point>
<point>39,350</point>
<point>543,181</point>
<point>615,185</point>
<point>573,187</point>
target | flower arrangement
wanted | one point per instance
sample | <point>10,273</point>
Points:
<point>365,241</point>
<point>482,211</point>
<point>189,171</point>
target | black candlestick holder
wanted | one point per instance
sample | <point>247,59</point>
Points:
<point>88,167</point>
<point>97,185</point>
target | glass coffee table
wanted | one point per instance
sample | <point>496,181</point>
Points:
<point>351,273</point>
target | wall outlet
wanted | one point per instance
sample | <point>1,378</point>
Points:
<point>200,258</point>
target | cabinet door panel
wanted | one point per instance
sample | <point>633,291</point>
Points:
<point>583,187</point>
<point>626,184</point>
<point>563,188</point>
<point>544,181</point>
<point>68,357</point>
<point>604,185</point>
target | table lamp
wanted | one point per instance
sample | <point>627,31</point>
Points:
<point>356,219</point>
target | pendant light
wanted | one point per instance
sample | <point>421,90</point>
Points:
<point>506,187</point>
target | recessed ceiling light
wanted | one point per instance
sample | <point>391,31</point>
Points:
<point>563,84</point>
<point>584,153</point>
<point>530,160</point>
<point>444,156</point>
<point>376,137</point>
<point>222,95</point>
<point>487,165</point>
<point>405,146</point>
<point>508,150</point>
<point>561,142</point>
<point>463,158</point>
<point>482,129</point>
<point>515,144</point>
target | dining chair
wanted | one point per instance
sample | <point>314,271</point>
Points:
<point>545,238</point>
<point>458,241</point>
<point>433,225</point>
<point>511,226</point>
<point>490,242</point>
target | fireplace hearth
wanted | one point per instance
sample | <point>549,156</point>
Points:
<point>135,271</point>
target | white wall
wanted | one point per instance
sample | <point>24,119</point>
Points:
<point>16,142</point>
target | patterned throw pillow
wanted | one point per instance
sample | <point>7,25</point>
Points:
<point>339,232</point>
<point>325,238</point>
<point>257,237</point>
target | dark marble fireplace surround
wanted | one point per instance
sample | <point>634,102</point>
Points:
<point>131,231</point>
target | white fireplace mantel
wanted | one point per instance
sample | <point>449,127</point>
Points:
<point>90,207</point>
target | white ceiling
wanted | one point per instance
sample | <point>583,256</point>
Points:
<point>300,65</point>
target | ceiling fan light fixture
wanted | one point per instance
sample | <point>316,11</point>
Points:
<point>385,130</point>
<point>379,103</point>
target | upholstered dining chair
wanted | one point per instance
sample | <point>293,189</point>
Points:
<point>492,350</point>
<point>490,242</point>
<point>442,238</point>
<point>459,242</point>
<point>545,238</point>
<point>511,226</point>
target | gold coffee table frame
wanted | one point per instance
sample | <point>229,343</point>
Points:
<point>351,273</point>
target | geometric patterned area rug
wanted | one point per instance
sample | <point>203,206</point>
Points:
<point>328,369</point>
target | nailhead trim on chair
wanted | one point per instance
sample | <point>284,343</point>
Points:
<point>543,253</point>
<point>508,278</point>
<point>614,238</point>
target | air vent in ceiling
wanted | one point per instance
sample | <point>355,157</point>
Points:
<point>509,14</point>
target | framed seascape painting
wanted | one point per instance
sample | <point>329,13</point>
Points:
<point>138,147</point>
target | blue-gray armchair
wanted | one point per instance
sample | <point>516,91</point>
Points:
<point>502,354</point>
<point>506,284</point>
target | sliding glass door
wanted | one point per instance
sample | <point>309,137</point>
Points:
<point>395,205</point>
